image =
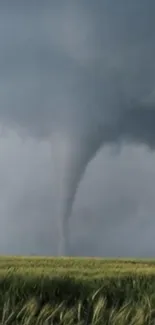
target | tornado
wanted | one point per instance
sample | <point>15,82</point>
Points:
<point>79,151</point>
<point>80,75</point>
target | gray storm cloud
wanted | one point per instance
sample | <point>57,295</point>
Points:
<point>81,75</point>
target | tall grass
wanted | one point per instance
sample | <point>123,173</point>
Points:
<point>74,291</point>
<point>93,311</point>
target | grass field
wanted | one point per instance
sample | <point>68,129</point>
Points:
<point>79,291</point>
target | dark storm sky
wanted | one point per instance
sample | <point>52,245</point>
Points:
<point>64,65</point>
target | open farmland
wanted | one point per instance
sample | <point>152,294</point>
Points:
<point>75,267</point>
<point>41,290</point>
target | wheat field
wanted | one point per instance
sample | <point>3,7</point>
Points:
<point>76,291</point>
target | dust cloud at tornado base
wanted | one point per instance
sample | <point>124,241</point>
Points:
<point>86,82</point>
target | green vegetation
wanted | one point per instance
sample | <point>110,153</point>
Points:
<point>77,291</point>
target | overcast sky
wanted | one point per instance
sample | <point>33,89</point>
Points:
<point>63,66</point>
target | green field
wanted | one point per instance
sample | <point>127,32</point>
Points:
<point>79,291</point>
